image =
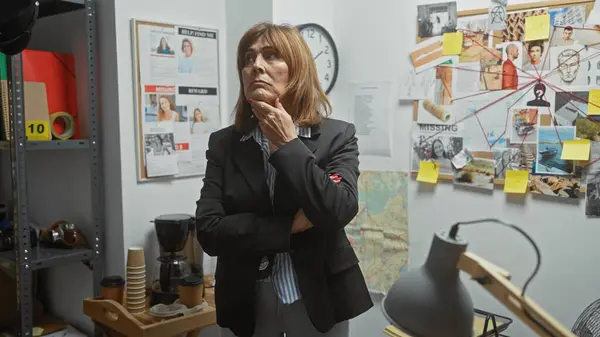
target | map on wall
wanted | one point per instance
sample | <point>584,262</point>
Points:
<point>379,232</point>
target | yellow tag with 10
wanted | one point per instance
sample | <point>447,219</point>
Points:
<point>37,130</point>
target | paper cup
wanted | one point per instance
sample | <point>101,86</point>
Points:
<point>136,272</point>
<point>136,277</point>
<point>136,291</point>
<point>135,257</point>
<point>136,268</point>
<point>135,302</point>
<point>136,284</point>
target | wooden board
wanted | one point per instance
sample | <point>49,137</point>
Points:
<point>589,4</point>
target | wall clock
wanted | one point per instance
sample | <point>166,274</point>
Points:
<point>324,52</point>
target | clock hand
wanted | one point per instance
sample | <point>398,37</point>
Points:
<point>319,54</point>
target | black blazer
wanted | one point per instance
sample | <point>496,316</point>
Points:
<point>237,222</point>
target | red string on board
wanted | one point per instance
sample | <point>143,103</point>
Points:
<point>526,88</point>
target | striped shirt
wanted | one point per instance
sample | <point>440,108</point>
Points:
<point>283,276</point>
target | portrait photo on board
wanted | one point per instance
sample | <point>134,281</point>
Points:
<point>440,149</point>
<point>571,64</point>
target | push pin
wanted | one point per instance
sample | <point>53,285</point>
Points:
<point>586,47</point>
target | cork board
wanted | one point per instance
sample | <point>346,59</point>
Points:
<point>515,29</point>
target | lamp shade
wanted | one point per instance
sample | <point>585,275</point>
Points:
<point>431,301</point>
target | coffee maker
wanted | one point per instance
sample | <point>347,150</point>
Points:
<point>178,256</point>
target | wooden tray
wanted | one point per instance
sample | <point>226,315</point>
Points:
<point>117,322</point>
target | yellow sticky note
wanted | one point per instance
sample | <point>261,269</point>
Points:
<point>578,149</point>
<point>37,130</point>
<point>428,172</point>
<point>516,181</point>
<point>452,44</point>
<point>594,102</point>
<point>537,27</point>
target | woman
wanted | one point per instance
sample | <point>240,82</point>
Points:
<point>438,154</point>
<point>163,47</point>
<point>166,110</point>
<point>279,188</point>
<point>199,117</point>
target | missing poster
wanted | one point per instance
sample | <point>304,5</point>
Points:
<point>178,106</point>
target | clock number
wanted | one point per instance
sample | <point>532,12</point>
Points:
<point>326,77</point>
<point>311,33</point>
<point>326,49</point>
<point>320,38</point>
<point>328,63</point>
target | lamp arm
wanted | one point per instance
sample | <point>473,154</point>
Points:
<point>497,282</point>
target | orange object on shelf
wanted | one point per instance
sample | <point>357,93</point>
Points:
<point>57,71</point>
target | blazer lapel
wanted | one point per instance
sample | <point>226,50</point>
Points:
<point>248,157</point>
<point>311,143</point>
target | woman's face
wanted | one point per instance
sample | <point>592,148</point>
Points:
<point>163,43</point>
<point>187,49</point>
<point>506,157</point>
<point>197,113</point>
<point>438,149</point>
<point>164,104</point>
<point>265,74</point>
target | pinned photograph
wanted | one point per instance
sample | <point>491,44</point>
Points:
<point>571,109</point>
<point>478,173</point>
<point>524,128</point>
<point>525,156</point>
<point>475,37</point>
<point>462,158</point>
<point>497,14</point>
<point>504,160</point>
<point>440,149</point>
<point>534,55</point>
<point>555,186</point>
<point>162,45</point>
<point>512,61</point>
<point>436,19</point>
<point>428,54</point>
<point>592,195</point>
<point>573,16</point>
<point>491,70</point>
<point>571,66</point>
<point>563,36</point>
<point>550,150</point>
<point>515,24</point>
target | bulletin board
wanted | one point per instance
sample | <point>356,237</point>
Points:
<point>527,116</point>
<point>176,72</point>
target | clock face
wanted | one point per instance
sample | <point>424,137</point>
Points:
<point>324,52</point>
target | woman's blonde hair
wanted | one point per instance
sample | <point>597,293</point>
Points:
<point>304,98</point>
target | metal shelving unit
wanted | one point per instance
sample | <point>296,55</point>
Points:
<point>27,259</point>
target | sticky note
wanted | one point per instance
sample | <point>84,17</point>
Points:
<point>428,172</point>
<point>594,102</point>
<point>537,27</point>
<point>452,44</point>
<point>578,149</point>
<point>516,181</point>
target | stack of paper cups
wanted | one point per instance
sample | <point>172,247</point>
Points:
<point>135,296</point>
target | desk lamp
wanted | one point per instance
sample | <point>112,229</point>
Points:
<point>431,301</point>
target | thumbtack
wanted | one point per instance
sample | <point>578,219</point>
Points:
<point>586,47</point>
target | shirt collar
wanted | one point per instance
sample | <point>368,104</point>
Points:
<point>301,131</point>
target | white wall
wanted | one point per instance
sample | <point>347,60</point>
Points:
<point>375,47</point>
<point>372,47</point>
<point>144,201</point>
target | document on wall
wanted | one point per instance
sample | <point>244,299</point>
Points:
<point>177,77</point>
<point>372,118</point>
<point>415,86</point>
